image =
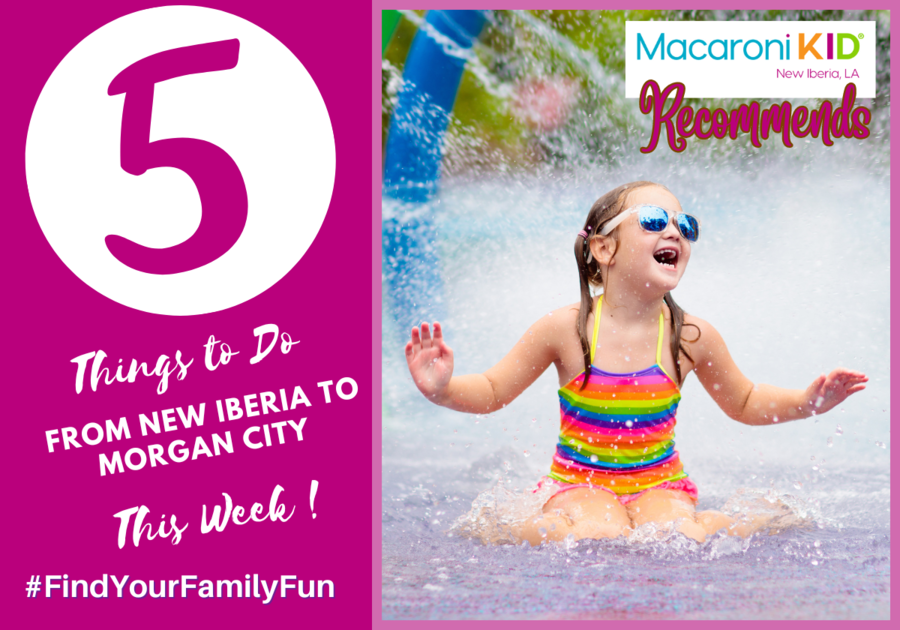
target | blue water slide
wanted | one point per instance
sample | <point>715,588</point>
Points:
<point>431,77</point>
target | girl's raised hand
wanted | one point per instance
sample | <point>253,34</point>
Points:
<point>430,360</point>
<point>827,392</point>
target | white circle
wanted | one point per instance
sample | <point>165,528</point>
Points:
<point>266,113</point>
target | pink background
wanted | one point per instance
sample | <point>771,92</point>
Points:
<point>57,509</point>
<point>378,5</point>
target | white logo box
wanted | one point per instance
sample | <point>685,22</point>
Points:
<point>787,73</point>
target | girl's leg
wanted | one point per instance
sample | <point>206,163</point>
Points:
<point>667,506</point>
<point>713,520</point>
<point>749,523</point>
<point>583,512</point>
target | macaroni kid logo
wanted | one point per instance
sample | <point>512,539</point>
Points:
<point>752,59</point>
<point>752,49</point>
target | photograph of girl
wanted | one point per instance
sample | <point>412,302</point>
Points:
<point>507,139</point>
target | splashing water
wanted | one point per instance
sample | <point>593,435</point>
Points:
<point>496,512</point>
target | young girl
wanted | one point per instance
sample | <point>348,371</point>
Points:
<point>621,359</point>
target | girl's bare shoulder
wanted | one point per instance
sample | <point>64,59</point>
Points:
<point>700,333</point>
<point>558,326</point>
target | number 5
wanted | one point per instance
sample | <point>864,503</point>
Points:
<point>223,195</point>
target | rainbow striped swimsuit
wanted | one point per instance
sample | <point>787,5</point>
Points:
<point>618,431</point>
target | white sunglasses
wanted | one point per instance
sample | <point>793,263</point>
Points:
<point>656,219</point>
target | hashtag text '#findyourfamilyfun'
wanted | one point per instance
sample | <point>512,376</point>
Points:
<point>681,122</point>
<point>109,586</point>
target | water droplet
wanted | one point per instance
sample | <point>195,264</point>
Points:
<point>881,444</point>
<point>526,453</point>
<point>628,358</point>
<point>798,485</point>
<point>717,387</point>
<point>775,419</point>
<point>629,423</point>
<point>839,430</point>
<point>817,544</point>
<point>542,531</point>
<point>594,459</point>
<point>830,442</point>
<point>815,563</point>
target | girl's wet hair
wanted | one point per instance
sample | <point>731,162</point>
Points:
<point>605,208</point>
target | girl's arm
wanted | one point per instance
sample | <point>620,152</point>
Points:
<point>430,362</point>
<point>753,404</point>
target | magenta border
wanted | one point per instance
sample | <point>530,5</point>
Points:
<point>376,312</point>
<point>377,6</point>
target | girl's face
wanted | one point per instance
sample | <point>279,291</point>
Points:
<point>653,261</point>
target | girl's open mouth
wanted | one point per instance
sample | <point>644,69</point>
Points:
<point>668,258</point>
